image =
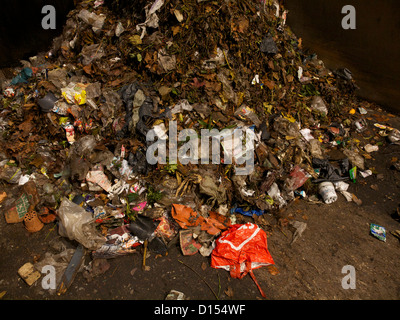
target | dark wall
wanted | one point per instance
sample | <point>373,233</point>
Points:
<point>371,52</point>
<point>21,32</point>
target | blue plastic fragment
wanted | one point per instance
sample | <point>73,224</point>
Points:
<point>22,77</point>
<point>248,213</point>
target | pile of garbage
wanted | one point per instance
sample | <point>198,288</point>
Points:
<point>75,125</point>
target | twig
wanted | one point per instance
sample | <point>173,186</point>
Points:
<point>200,278</point>
<point>226,58</point>
<point>114,271</point>
<point>280,229</point>
<point>50,232</point>
<point>144,255</point>
<point>219,285</point>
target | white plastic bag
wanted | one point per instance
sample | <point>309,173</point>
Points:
<point>77,224</point>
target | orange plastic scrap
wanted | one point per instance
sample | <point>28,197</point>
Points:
<point>3,195</point>
<point>215,223</point>
<point>186,217</point>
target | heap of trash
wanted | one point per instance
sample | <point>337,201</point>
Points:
<point>80,123</point>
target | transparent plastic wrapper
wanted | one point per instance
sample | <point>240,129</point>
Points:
<point>370,148</point>
<point>58,77</point>
<point>60,107</point>
<point>299,229</point>
<point>75,93</point>
<point>151,17</point>
<point>341,186</point>
<point>210,188</point>
<point>306,133</point>
<point>85,145</point>
<point>275,194</point>
<point>96,21</point>
<point>167,63</point>
<point>119,29</point>
<point>360,125</point>
<point>93,90</point>
<point>227,89</point>
<point>78,224</point>
<point>394,136</point>
<point>10,174</point>
<point>318,104</point>
<point>245,111</point>
<point>315,149</point>
<point>91,53</point>
<point>286,128</point>
<point>58,261</point>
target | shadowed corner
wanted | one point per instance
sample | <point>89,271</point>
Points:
<point>370,51</point>
<point>21,32</point>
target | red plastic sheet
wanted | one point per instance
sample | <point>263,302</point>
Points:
<point>241,249</point>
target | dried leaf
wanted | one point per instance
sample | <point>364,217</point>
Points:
<point>229,292</point>
<point>273,270</point>
<point>135,40</point>
<point>269,84</point>
<point>26,126</point>
<point>175,30</point>
<point>197,84</point>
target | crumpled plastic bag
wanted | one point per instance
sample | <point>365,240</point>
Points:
<point>96,21</point>
<point>329,172</point>
<point>241,249</point>
<point>92,52</point>
<point>59,261</point>
<point>268,45</point>
<point>298,177</point>
<point>167,63</point>
<point>22,77</point>
<point>151,17</point>
<point>186,217</point>
<point>286,128</point>
<point>209,187</point>
<point>74,93</point>
<point>355,158</point>
<point>78,224</point>
<point>318,104</point>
